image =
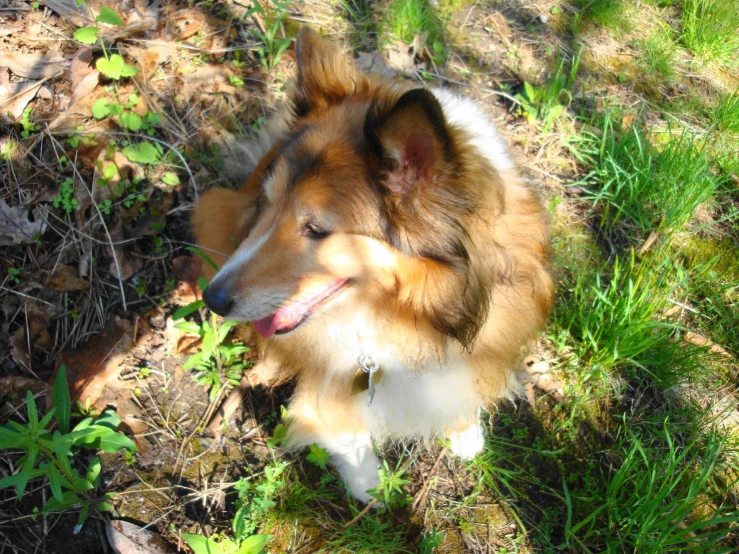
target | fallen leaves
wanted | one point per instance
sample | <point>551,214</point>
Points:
<point>31,66</point>
<point>96,366</point>
<point>539,375</point>
<point>127,538</point>
<point>19,224</point>
<point>29,343</point>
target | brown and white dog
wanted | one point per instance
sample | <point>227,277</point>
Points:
<point>384,225</point>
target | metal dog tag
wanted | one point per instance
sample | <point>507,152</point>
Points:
<point>372,369</point>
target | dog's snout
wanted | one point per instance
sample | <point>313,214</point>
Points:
<point>218,299</point>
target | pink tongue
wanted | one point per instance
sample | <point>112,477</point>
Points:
<point>282,318</point>
<point>289,316</point>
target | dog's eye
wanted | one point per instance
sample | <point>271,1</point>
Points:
<point>313,231</point>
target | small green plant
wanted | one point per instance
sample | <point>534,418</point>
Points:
<point>26,124</point>
<point>219,358</point>
<point>318,456</point>
<point>725,117</point>
<point>65,199</point>
<point>49,452</point>
<point>14,276</point>
<point>111,65</point>
<point>390,490</point>
<point>256,499</point>
<point>430,541</point>
<point>651,501</point>
<point>643,187</point>
<point>412,17</point>
<point>272,46</point>
<point>547,103</point>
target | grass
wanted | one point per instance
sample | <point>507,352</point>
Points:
<point>411,17</point>
<point>638,187</point>
<point>709,29</point>
<point>725,116</point>
<point>650,501</point>
<point>658,54</point>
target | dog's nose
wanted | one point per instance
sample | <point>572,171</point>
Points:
<point>218,299</point>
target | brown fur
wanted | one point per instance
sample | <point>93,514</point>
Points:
<point>446,254</point>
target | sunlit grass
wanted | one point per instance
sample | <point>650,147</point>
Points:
<point>710,29</point>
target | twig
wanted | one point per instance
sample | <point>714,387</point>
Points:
<point>361,514</point>
<point>424,490</point>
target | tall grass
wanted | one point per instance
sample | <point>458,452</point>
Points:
<point>649,504</point>
<point>407,18</point>
<point>711,29</point>
<point>643,187</point>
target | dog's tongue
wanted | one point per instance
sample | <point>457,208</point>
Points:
<point>282,319</point>
<point>289,316</point>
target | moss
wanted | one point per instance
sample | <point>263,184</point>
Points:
<point>720,254</point>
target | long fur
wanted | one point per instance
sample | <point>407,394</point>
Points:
<point>426,216</point>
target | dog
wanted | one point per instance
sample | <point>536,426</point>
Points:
<point>388,255</point>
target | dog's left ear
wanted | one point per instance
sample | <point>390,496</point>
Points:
<point>325,74</point>
<point>409,141</point>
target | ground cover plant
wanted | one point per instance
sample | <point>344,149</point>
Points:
<point>115,119</point>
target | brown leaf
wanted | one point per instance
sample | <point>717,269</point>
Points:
<point>16,226</point>
<point>31,66</point>
<point>81,65</point>
<point>15,96</point>
<point>126,265</point>
<point>27,343</point>
<point>70,10</point>
<point>95,366</point>
<point>10,29</point>
<point>64,279</point>
<point>17,385</point>
<point>375,63</point>
<point>127,538</point>
<point>700,340</point>
<point>187,270</point>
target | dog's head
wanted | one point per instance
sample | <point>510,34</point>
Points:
<point>363,200</point>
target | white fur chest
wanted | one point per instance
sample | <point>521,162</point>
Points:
<point>418,394</point>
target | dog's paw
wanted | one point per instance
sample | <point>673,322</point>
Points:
<point>361,479</point>
<point>468,443</point>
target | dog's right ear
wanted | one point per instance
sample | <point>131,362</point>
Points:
<point>325,74</point>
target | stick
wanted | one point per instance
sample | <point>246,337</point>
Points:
<point>424,490</point>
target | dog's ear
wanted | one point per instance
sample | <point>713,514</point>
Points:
<point>325,74</point>
<point>409,140</point>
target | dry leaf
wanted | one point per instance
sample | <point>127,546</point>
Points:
<point>187,270</point>
<point>539,375</point>
<point>64,279</point>
<point>26,346</point>
<point>17,386</point>
<point>70,10</point>
<point>700,340</point>
<point>92,368</point>
<point>374,63</point>
<point>14,97</point>
<point>10,29</point>
<point>127,538</point>
<point>16,226</point>
<point>31,66</point>
<point>123,266</point>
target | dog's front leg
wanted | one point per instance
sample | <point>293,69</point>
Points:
<point>350,450</point>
